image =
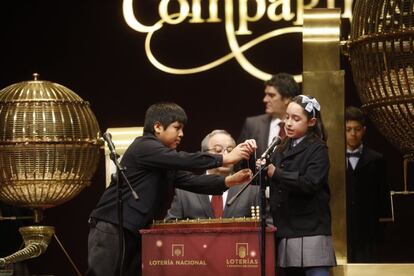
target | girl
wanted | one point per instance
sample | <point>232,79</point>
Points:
<point>299,192</point>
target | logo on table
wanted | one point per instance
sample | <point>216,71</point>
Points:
<point>243,257</point>
<point>177,250</point>
<point>177,254</point>
<point>242,249</point>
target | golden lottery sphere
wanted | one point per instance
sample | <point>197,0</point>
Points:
<point>49,144</point>
<point>381,50</point>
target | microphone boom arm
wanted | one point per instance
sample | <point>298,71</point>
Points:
<point>266,155</point>
<point>114,157</point>
<point>244,187</point>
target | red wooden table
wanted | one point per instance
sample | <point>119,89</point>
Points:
<point>202,250</point>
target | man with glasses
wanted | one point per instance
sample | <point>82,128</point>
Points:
<point>188,205</point>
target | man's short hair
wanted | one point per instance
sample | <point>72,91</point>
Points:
<point>164,113</point>
<point>353,113</point>
<point>204,143</point>
<point>285,85</point>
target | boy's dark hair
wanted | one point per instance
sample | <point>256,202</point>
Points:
<point>165,114</point>
<point>285,85</point>
<point>353,113</point>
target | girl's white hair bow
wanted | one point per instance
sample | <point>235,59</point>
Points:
<point>311,104</point>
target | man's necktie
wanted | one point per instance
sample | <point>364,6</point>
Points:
<point>282,132</point>
<point>217,205</point>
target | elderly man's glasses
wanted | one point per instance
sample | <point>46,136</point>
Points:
<point>220,149</point>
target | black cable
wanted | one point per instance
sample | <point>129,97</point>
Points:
<point>121,240</point>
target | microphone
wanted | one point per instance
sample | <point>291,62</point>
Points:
<point>276,141</point>
<point>114,157</point>
<point>108,139</point>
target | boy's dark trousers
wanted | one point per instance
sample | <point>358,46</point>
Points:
<point>103,250</point>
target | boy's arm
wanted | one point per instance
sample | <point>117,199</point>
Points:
<point>201,184</point>
<point>154,154</point>
<point>210,184</point>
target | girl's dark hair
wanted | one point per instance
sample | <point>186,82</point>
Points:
<point>165,113</point>
<point>314,132</point>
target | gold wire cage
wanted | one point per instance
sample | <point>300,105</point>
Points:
<point>381,51</point>
<point>49,144</point>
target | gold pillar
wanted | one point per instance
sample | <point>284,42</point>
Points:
<point>323,79</point>
<point>122,137</point>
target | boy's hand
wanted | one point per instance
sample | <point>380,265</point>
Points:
<point>241,151</point>
<point>250,144</point>
<point>240,177</point>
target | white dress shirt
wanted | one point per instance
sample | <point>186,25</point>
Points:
<point>274,129</point>
<point>353,160</point>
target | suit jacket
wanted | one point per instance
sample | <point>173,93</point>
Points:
<point>299,191</point>
<point>256,127</point>
<point>192,206</point>
<point>367,197</point>
<point>153,171</point>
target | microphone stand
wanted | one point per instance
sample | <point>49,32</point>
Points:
<point>115,178</point>
<point>262,242</point>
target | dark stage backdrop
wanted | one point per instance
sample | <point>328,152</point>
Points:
<point>86,46</point>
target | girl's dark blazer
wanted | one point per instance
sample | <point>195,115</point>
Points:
<point>299,191</point>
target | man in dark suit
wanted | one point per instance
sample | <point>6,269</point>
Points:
<point>189,205</point>
<point>279,91</point>
<point>367,194</point>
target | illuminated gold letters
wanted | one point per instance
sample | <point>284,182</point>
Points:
<point>184,11</point>
<point>249,11</point>
<point>196,8</point>
<point>244,15</point>
<point>213,9</point>
<point>286,14</point>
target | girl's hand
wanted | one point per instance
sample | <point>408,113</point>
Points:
<point>260,162</point>
<point>271,170</point>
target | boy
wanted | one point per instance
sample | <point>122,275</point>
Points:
<point>367,195</point>
<point>154,168</point>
